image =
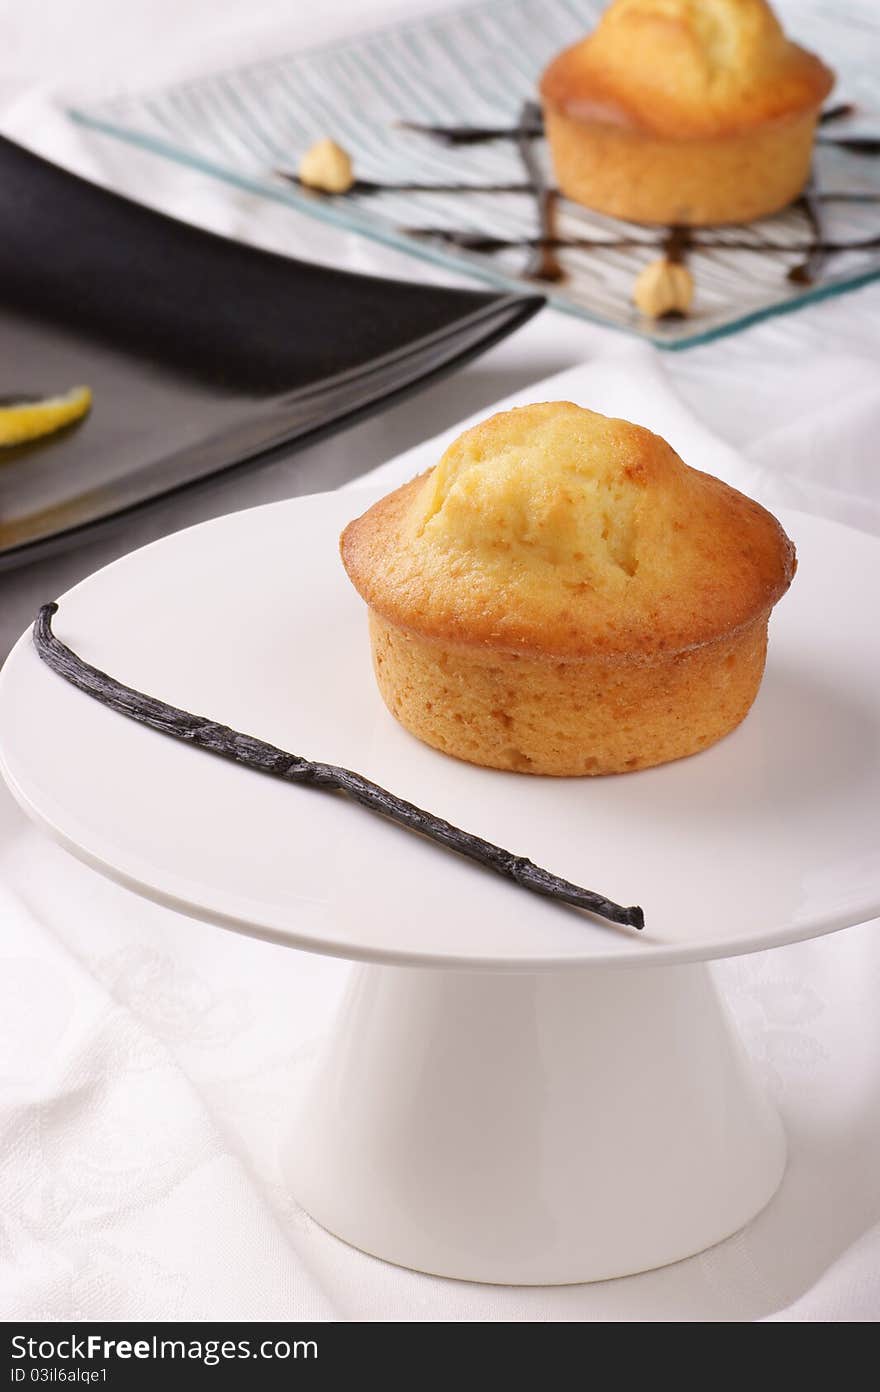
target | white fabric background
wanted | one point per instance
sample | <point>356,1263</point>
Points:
<point>149,1065</point>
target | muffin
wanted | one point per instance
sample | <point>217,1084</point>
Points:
<point>562,595</point>
<point>684,111</point>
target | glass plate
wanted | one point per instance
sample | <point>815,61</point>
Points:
<point>476,66</point>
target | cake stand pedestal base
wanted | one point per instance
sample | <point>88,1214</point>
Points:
<point>534,1129</point>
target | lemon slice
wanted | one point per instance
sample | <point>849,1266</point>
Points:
<point>28,420</point>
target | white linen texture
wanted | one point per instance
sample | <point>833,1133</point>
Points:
<point>150,1065</point>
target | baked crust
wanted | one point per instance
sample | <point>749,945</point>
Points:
<point>696,183</point>
<point>566,719</point>
<point>685,70</point>
<point>555,532</point>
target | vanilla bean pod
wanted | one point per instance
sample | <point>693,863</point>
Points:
<point>266,758</point>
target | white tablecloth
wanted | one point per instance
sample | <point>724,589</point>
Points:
<point>149,1065</point>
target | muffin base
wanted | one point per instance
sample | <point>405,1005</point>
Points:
<point>641,178</point>
<point>566,718</point>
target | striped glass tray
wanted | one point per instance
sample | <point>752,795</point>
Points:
<point>476,66</point>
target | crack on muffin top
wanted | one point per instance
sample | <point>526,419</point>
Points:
<point>554,529</point>
<point>686,68</point>
<point>722,36</point>
<point>542,486</point>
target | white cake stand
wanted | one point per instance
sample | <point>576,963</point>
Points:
<point>514,1092</point>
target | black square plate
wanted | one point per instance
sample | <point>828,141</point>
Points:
<point>203,354</point>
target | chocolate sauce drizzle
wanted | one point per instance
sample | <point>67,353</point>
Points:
<point>836,112</point>
<point>543,262</point>
<point>806,271</point>
<point>855,144</point>
<point>368,186</point>
<point>673,241</point>
<point>532,129</point>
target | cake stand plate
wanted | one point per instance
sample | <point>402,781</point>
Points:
<point>514,1092</point>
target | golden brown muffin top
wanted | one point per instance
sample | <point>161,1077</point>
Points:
<point>556,531</point>
<point>684,69</point>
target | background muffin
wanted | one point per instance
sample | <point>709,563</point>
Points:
<point>684,111</point>
<point>563,595</point>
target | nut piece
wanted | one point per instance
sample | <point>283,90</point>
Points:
<point>326,166</point>
<point>664,287</point>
